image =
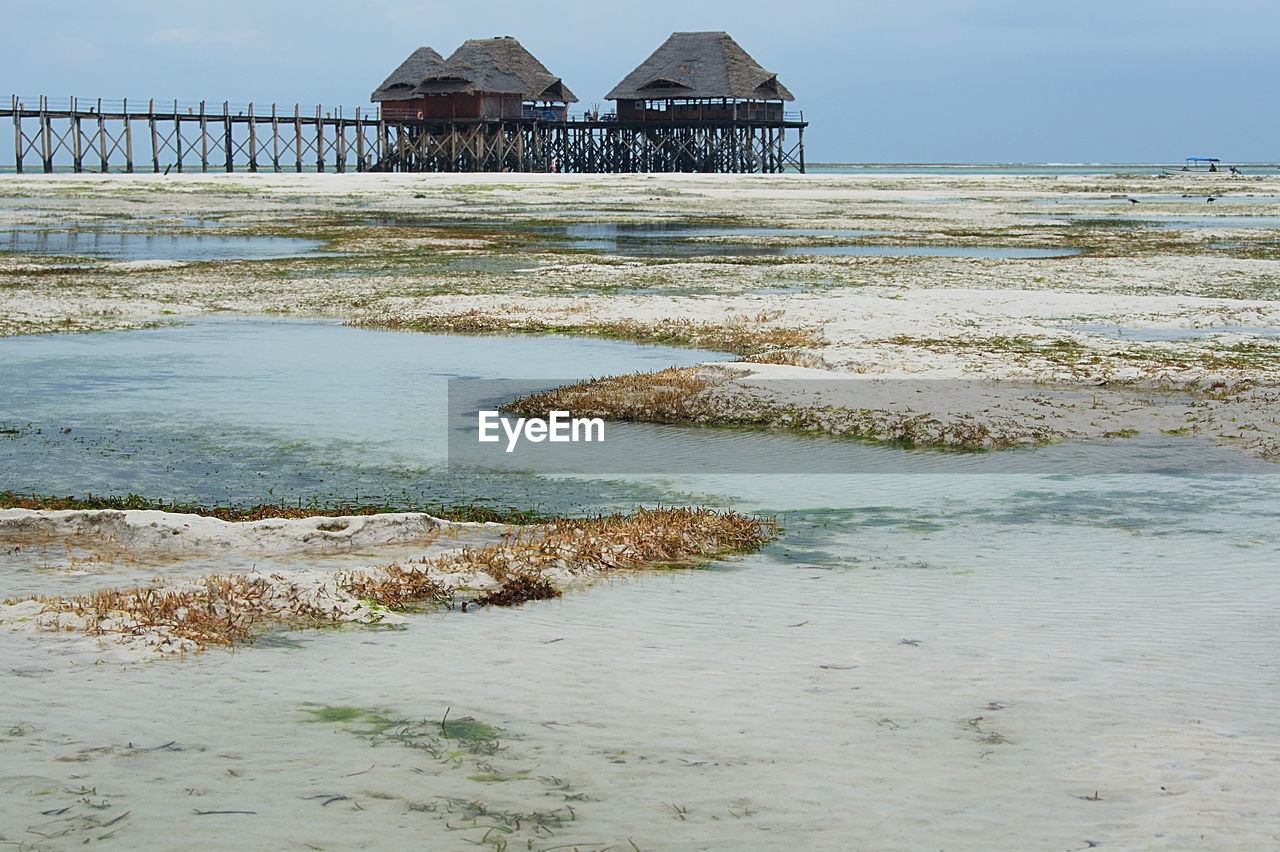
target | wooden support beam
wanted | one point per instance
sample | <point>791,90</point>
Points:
<point>177,135</point>
<point>77,141</point>
<point>204,140</point>
<point>275,140</point>
<point>128,138</point>
<point>319,142</point>
<point>46,141</point>
<point>253,141</point>
<point>226,136</point>
<point>102,137</point>
<point>359,142</point>
<point>155,143</point>
<point>17,136</point>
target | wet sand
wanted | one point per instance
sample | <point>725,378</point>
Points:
<point>921,661</point>
<point>435,252</point>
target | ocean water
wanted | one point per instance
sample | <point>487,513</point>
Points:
<point>1021,168</point>
<point>944,658</point>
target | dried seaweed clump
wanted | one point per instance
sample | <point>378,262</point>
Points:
<point>741,336</point>
<point>673,395</point>
<point>518,589</point>
<point>224,610</point>
<point>219,610</point>
<point>705,396</point>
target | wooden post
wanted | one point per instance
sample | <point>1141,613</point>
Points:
<point>102,137</point>
<point>297,136</point>
<point>339,144</point>
<point>226,136</point>
<point>359,142</point>
<point>155,148</point>
<point>177,135</point>
<point>319,142</point>
<point>275,140</point>
<point>17,135</point>
<point>77,145</point>
<point>204,141</point>
<point>128,137</point>
<point>253,141</point>
<point>382,136</point>
<point>46,152</point>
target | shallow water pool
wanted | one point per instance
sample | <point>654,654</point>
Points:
<point>923,660</point>
<point>134,245</point>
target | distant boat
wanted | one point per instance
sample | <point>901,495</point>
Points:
<point>1199,164</point>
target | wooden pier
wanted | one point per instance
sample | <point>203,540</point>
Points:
<point>123,136</point>
<point>104,136</point>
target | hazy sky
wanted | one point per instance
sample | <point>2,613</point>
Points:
<point>898,81</point>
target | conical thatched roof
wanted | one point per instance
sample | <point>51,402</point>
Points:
<point>400,85</point>
<point>499,65</point>
<point>700,65</point>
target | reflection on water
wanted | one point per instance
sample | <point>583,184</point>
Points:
<point>131,245</point>
<point>667,240</point>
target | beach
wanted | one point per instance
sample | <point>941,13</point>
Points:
<point>933,647</point>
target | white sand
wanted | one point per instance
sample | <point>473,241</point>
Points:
<point>927,318</point>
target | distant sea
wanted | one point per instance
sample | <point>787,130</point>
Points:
<point>1022,168</point>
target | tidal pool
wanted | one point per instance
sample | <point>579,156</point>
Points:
<point>134,245</point>
<point>923,660</point>
<point>667,240</point>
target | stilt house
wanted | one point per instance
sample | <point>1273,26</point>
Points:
<point>396,94</point>
<point>484,79</point>
<point>700,76</point>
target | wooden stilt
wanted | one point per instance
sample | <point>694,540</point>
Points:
<point>297,136</point>
<point>275,140</point>
<point>226,136</point>
<point>102,137</point>
<point>18,141</point>
<point>46,141</point>
<point>204,140</point>
<point>253,141</point>
<point>359,142</point>
<point>319,142</point>
<point>128,137</point>
<point>77,141</point>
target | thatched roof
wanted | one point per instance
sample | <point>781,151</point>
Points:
<point>700,65</point>
<point>499,65</point>
<point>400,85</point>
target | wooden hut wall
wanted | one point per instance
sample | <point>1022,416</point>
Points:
<point>699,110</point>
<point>472,105</point>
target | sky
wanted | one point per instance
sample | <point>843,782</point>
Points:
<point>906,81</point>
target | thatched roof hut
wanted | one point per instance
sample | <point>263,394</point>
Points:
<point>499,66</point>
<point>700,66</point>
<point>400,85</point>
